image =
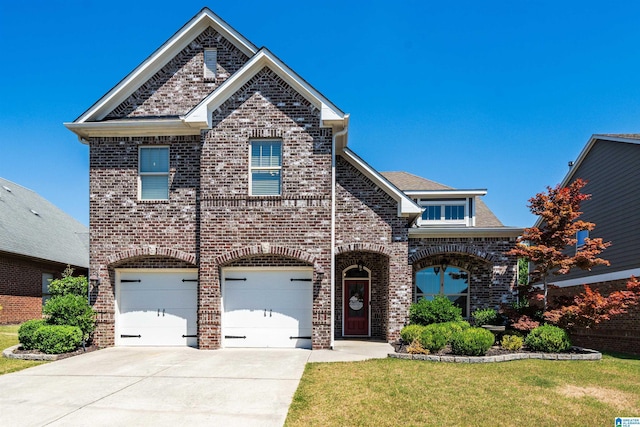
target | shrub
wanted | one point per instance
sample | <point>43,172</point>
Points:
<point>449,329</point>
<point>432,339</point>
<point>485,316</point>
<point>472,342</point>
<point>26,331</point>
<point>72,310</point>
<point>437,310</point>
<point>416,348</point>
<point>411,332</point>
<point>512,342</point>
<point>548,338</point>
<point>55,339</point>
<point>69,284</point>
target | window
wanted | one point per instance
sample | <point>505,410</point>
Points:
<point>266,165</point>
<point>154,173</point>
<point>210,61</point>
<point>449,281</point>
<point>451,211</point>
<point>580,237</point>
<point>46,279</point>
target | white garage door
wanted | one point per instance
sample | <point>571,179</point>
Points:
<point>267,307</point>
<point>156,307</point>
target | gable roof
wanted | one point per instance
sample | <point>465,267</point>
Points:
<point>410,183</point>
<point>33,227</point>
<point>406,206</point>
<point>622,138</point>
<point>91,123</point>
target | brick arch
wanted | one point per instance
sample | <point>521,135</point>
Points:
<point>152,251</point>
<point>459,249</point>
<point>264,249</point>
<point>363,247</point>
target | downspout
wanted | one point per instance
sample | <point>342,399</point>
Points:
<point>333,229</point>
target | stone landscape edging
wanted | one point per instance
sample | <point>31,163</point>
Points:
<point>587,355</point>
<point>9,354</point>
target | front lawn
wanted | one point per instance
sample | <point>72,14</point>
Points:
<point>8,338</point>
<point>393,392</point>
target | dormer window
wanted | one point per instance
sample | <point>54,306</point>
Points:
<point>445,211</point>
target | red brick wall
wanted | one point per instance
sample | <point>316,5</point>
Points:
<point>21,287</point>
<point>619,334</point>
<point>367,222</point>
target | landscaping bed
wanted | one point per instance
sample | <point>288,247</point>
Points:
<point>16,352</point>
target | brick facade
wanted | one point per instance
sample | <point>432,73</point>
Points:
<point>621,333</point>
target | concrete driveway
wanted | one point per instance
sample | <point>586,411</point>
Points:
<point>155,387</point>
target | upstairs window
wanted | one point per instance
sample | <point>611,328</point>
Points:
<point>580,237</point>
<point>266,166</point>
<point>153,173</point>
<point>444,211</point>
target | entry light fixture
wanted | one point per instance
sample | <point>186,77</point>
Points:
<point>360,265</point>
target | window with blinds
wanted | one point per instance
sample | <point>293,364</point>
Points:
<point>266,165</point>
<point>153,173</point>
<point>210,61</point>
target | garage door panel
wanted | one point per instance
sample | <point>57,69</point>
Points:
<point>266,308</point>
<point>157,309</point>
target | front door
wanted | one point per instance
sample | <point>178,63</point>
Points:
<point>356,307</point>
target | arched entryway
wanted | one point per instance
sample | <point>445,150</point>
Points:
<point>356,301</point>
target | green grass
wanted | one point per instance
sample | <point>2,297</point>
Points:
<point>392,392</point>
<point>8,338</point>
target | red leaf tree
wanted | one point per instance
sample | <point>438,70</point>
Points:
<point>548,247</point>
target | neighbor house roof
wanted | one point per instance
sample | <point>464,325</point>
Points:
<point>31,226</point>
<point>412,183</point>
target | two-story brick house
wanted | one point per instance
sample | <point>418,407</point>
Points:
<point>227,210</point>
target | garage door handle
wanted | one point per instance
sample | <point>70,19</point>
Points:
<point>299,338</point>
<point>130,336</point>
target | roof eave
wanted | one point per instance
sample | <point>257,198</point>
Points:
<point>147,127</point>
<point>160,57</point>
<point>447,193</point>
<point>510,232</point>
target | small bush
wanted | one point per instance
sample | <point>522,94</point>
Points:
<point>410,333</point>
<point>416,348</point>
<point>26,331</point>
<point>56,339</point>
<point>512,342</point>
<point>485,316</point>
<point>69,284</point>
<point>549,339</point>
<point>449,329</point>
<point>437,310</point>
<point>72,310</point>
<point>472,342</point>
<point>432,339</point>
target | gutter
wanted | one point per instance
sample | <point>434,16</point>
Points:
<point>333,228</point>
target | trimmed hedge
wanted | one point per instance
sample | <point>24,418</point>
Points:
<point>73,310</point>
<point>432,339</point>
<point>512,342</point>
<point>56,339</point>
<point>26,333</point>
<point>485,316</point>
<point>472,342</point>
<point>438,310</point>
<point>548,339</point>
<point>411,333</point>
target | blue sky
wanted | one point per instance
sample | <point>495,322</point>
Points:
<point>497,94</point>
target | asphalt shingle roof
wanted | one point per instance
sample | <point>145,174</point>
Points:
<point>32,226</point>
<point>409,182</point>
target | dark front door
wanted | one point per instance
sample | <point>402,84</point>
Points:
<point>356,307</point>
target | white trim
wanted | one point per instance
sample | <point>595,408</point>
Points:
<point>407,207</point>
<point>154,63</point>
<point>439,231</point>
<point>144,127</point>
<point>605,277</point>
<point>200,115</point>
<point>168,173</point>
<point>368,279</point>
<point>465,221</point>
<point>446,193</point>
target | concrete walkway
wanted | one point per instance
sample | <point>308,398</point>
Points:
<point>152,386</point>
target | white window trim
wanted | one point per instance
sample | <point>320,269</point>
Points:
<point>256,168</point>
<point>140,174</point>
<point>442,203</point>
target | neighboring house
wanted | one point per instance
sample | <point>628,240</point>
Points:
<point>611,165</point>
<point>226,210</point>
<point>37,242</point>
